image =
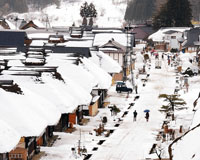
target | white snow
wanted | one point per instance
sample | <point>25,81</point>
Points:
<point>103,78</point>
<point>159,35</point>
<point>105,62</point>
<point>25,120</point>
<point>103,38</point>
<point>62,15</point>
<point>9,137</point>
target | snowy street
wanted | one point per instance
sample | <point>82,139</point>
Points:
<point>131,140</point>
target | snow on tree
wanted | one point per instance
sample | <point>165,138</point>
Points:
<point>88,10</point>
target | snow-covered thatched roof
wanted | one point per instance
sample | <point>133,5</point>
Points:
<point>9,137</point>
<point>105,62</point>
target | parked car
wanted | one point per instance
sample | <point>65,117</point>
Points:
<point>191,71</point>
<point>121,87</point>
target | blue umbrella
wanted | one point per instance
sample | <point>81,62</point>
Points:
<point>146,110</point>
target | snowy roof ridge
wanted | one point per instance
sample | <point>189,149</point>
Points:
<point>104,79</point>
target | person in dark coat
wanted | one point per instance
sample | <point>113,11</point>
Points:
<point>134,115</point>
<point>147,116</point>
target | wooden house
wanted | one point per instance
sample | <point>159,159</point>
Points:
<point>30,24</point>
<point>172,39</point>
<point>92,109</point>
<point>117,52</point>
<point>102,93</point>
<point>63,123</point>
<point>94,105</point>
<point>114,50</point>
<point>67,120</point>
<point>25,149</point>
<point>4,156</point>
<point>46,137</point>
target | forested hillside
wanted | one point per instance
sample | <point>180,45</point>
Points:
<point>13,6</point>
<point>141,10</point>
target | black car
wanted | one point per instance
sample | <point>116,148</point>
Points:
<point>121,87</point>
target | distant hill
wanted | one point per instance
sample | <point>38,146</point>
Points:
<point>110,13</point>
<point>141,10</point>
<point>21,6</point>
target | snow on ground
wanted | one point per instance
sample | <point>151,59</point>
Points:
<point>189,143</point>
<point>131,140</point>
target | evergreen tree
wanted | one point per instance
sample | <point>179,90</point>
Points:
<point>92,10</point>
<point>84,11</point>
<point>174,102</point>
<point>88,10</point>
<point>175,13</point>
<point>139,10</point>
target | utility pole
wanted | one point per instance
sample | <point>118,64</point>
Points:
<point>129,52</point>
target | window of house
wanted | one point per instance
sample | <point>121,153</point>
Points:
<point>173,37</point>
<point>15,156</point>
<point>116,56</point>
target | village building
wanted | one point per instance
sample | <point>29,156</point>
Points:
<point>189,45</point>
<point>167,38</point>
<point>34,24</point>
<point>116,46</point>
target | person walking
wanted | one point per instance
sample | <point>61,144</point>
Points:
<point>134,115</point>
<point>147,116</point>
<point>136,89</point>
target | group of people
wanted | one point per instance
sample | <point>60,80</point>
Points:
<point>135,116</point>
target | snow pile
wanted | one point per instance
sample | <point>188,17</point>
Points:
<point>185,60</point>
